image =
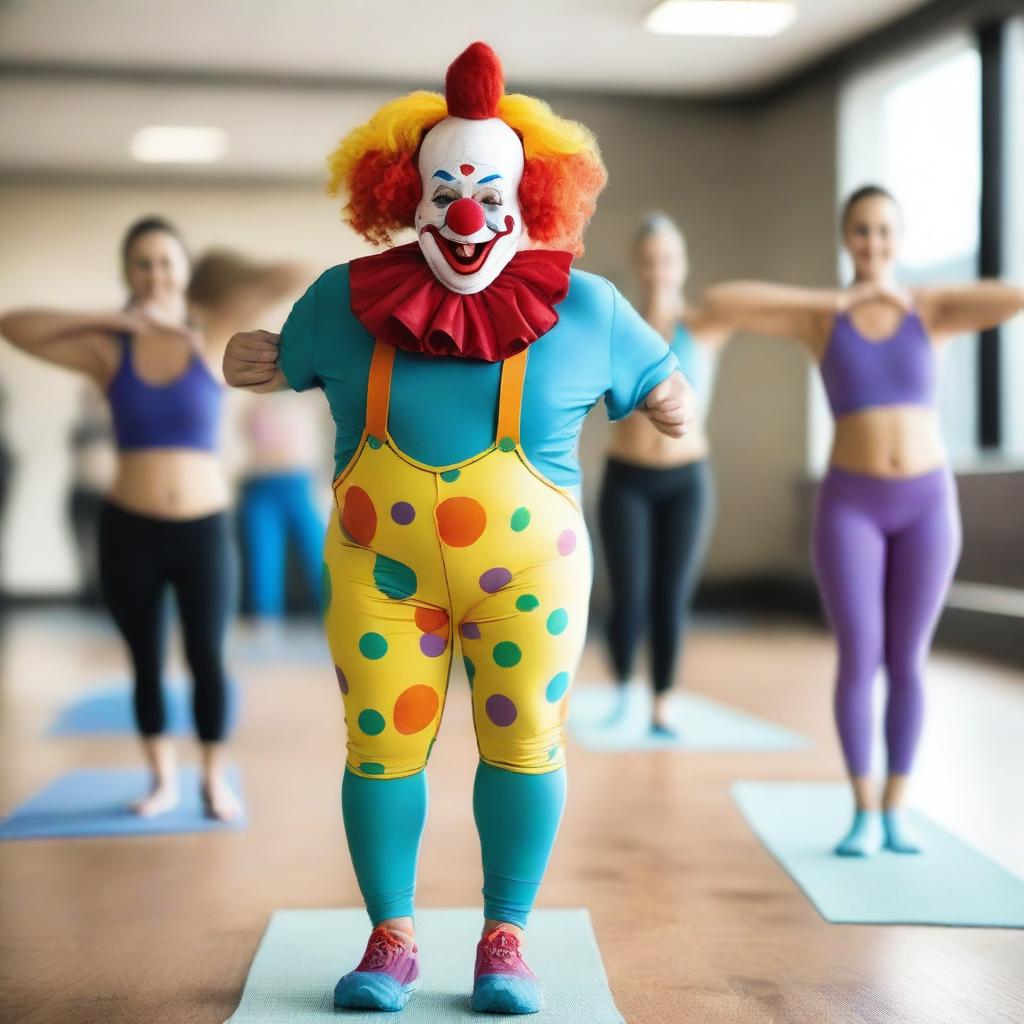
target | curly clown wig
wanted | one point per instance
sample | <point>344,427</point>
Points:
<point>375,165</point>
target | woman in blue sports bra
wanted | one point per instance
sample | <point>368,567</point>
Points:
<point>164,522</point>
<point>887,527</point>
<point>657,498</point>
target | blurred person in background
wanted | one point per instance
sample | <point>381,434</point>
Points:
<point>277,504</point>
<point>164,523</point>
<point>657,499</point>
<point>886,536</point>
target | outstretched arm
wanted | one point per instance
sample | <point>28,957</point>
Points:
<point>250,362</point>
<point>76,341</point>
<point>972,307</point>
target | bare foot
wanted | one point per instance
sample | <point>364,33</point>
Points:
<point>220,800</point>
<point>163,797</point>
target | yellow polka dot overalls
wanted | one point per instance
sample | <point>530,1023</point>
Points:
<point>487,547</point>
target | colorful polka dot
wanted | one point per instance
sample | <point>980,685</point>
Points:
<point>500,710</point>
<point>520,519</point>
<point>553,753</point>
<point>494,579</point>
<point>432,620</point>
<point>374,442</point>
<point>460,521</point>
<point>507,444</point>
<point>325,589</point>
<point>358,516</point>
<point>342,681</point>
<point>372,768</point>
<point>470,671</point>
<point>373,646</point>
<point>394,579</point>
<point>471,631</point>
<point>507,654</point>
<point>371,722</point>
<point>403,513</point>
<point>432,645</point>
<point>557,621</point>
<point>527,602</point>
<point>556,688</point>
<point>415,709</point>
<point>449,476</point>
<point>567,542</point>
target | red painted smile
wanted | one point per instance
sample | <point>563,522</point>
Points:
<point>466,257</point>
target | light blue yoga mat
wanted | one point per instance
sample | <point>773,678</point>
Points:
<point>108,711</point>
<point>700,723</point>
<point>304,952</point>
<point>96,802</point>
<point>951,883</point>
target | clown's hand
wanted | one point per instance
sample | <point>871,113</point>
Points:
<point>671,406</point>
<point>250,362</point>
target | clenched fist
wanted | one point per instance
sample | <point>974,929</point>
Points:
<point>250,362</point>
<point>671,406</point>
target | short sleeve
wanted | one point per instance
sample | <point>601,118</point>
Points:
<point>640,359</point>
<point>298,342</point>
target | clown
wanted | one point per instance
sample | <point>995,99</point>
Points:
<point>459,369</point>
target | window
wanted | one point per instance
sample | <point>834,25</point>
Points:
<point>1012,355</point>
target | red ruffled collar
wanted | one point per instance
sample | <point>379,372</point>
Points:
<point>397,298</point>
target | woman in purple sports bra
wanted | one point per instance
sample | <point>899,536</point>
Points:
<point>164,523</point>
<point>887,526</point>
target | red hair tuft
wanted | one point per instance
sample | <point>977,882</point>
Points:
<point>475,83</point>
<point>558,197</point>
<point>384,189</point>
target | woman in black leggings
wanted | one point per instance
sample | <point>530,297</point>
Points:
<point>657,500</point>
<point>164,524</point>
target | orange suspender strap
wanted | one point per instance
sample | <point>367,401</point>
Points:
<point>510,395</point>
<point>378,390</point>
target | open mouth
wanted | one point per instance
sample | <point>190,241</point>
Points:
<point>466,257</point>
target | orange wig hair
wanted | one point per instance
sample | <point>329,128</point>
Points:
<point>375,166</point>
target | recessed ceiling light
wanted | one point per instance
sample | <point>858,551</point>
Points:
<point>178,144</point>
<point>721,17</point>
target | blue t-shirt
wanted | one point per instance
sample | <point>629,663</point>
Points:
<point>444,409</point>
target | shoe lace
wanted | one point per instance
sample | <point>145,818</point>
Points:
<point>382,949</point>
<point>501,946</point>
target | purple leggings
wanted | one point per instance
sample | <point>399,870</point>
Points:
<point>884,555</point>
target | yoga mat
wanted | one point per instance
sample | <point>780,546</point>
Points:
<point>95,802</point>
<point>108,711</point>
<point>951,883</point>
<point>701,724</point>
<point>303,953</point>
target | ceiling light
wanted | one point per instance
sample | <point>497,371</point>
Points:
<point>721,17</point>
<point>178,144</point>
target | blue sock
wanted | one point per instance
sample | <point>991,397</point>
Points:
<point>865,836</point>
<point>384,821</point>
<point>900,836</point>
<point>517,817</point>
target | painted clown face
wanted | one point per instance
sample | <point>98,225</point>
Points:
<point>468,221</point>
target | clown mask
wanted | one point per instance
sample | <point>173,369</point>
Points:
<point>468,221</point>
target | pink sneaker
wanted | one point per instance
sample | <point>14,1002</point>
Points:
<point>386,976</point>
<point>502,982</point>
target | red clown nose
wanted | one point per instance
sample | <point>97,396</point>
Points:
<point>475,83</point>
<point>465,217</point>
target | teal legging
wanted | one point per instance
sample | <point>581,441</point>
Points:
<point>517,817</point>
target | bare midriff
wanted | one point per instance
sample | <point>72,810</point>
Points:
<point>170,483</point>
<point>891,441</point>
<point>636,440</point>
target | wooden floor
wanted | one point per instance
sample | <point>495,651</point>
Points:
<point>695,921</point>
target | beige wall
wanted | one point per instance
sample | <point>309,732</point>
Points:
<point>752,188</point>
